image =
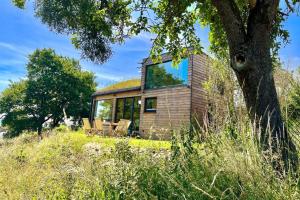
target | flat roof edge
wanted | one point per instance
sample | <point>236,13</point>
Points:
<point>116,91</point>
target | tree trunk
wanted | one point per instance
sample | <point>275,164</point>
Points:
<point>250,53</point>
<point>55,122</point>
<point>258,86</point>
<point>40,136</point>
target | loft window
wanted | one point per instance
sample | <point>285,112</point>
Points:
<point>164,74</point>
<point>150,104</point>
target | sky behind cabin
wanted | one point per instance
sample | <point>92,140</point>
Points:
<point>21,33</point>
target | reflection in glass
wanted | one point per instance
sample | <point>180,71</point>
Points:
<point>150,104</point>
<point>119,110</point>
<point>103,110</point>
<point>164,74</point>
<point>129,108</point>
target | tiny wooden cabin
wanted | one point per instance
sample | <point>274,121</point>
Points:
<point>166,97</point>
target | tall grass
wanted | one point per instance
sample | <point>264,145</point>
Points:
<point>73,166</point>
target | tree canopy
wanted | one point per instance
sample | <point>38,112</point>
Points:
<point>54,85</point>
<point>95,25</point>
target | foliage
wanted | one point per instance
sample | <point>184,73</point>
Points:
<point>221,86</point>
<point>97,24</point>
<point>14,105</point>
<point>293,104</point>
<point>54,84</point>
<point>19,3</point>
<point>71,165</point>
<point>93,24</point>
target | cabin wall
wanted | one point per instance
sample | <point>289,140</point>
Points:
<point>199,95</point>
<point>172,112</point>
<point>173,106</point>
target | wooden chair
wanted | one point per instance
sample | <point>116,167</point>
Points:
<point>87,126</point>
<point>99,126</point>
<point>122,128</point>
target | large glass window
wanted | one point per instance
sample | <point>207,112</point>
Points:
<point>164,74</point>
<point>103,110</point>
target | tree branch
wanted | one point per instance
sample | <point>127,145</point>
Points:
<point>290,7</point>
<point>262,17</point>
<point>232,22</point>
<point>46,119</point>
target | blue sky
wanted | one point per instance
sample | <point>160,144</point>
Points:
<point>21,33</point>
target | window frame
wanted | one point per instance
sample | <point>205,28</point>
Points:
<point>145,104</point>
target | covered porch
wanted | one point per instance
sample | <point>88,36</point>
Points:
<point>111,106</point>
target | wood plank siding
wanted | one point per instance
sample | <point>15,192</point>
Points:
<point>173,110</point>
<point>199,99</point>
<point>173,103</point>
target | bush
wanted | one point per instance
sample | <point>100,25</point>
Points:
<point>61,128</point>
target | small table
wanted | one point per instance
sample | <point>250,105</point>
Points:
<point>110,124</point>
<point>114,124</point>
<point>108,127</point>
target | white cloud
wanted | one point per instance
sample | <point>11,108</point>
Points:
<point>145,36</point>
<point>4,82</point>
<point>108,77</point>
<point>7,76</point>
<point>18,49</point>
<point>12,62</point>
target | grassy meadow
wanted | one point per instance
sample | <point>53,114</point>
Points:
<point>71,165</point>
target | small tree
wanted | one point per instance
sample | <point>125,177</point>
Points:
<point>54,85</point>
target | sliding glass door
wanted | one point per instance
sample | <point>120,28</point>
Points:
<point>129,108</point>
<point>103,110</point>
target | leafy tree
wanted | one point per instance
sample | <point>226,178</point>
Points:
<point>246,30</point>
<point>12,103</point>
<point>54,85</point>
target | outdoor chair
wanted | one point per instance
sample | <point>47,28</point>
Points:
<point>87,126</point>
<point>122,128</point>
<point>99,126</point>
